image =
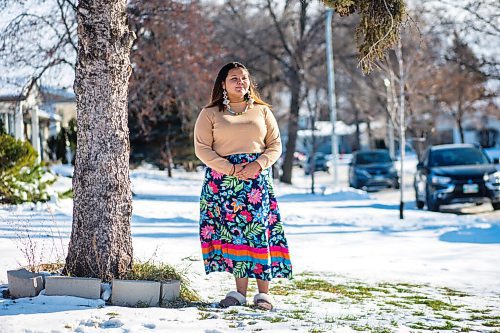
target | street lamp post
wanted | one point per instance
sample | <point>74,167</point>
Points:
<point>390,124</point>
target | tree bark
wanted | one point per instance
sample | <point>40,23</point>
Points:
<point>101,243</point>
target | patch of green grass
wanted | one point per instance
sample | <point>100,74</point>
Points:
<point>151,271</point>
<point>452,292</point>
<point>112,314</point>
<point>275,319</point>
<point>446,317</point>
<point>418,314</point>
<point>281,290</point>
<point>422,326</point>
<point>356,292</point>
<point>493,323</point>
<point>381,330</point>
<point>204,315</point>
<point>434,304</point>
<point>465,329</point>
<point>484,317</point>
<point>360,328</point>
<point>316,330</point>
<point>296,314</point>
<point>398,288</point>
<point>397,304</point>
<point>329,320</point>
<point>66,194</point>
<point>329,300</point>
<point>348,318</point>
<point>480,311</point>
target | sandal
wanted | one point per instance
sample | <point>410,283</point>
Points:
<point>263,301</point>
<point>233,298</point>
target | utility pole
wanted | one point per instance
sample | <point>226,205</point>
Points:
<point>332,107</point>
<point>399,54</point>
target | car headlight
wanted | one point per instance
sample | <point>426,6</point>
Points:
<point>363,173</point>
<point>393,170</point>
<point>492,177</point>
<point>440,180</point>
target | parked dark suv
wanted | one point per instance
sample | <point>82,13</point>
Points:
<point>372,169</point>
<point>456,173</point>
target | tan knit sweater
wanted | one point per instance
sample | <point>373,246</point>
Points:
<point>219,133</point>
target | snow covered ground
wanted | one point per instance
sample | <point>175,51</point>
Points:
<point>358,267</point>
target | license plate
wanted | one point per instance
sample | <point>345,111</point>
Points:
<point>471,188</point>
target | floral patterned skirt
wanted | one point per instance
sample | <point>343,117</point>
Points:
<point>241,231</point>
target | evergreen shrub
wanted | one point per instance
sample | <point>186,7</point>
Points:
<point>22,179</point>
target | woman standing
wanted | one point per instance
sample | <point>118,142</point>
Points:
<point>241,232</point>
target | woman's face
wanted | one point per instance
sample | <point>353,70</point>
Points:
<point>236,84</point>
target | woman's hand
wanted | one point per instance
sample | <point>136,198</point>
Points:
<point>238,168</point>
<point>247,170</point>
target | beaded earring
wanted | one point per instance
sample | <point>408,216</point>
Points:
<point>225,99</point>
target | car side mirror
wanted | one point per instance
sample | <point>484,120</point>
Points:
<point>496,160</point>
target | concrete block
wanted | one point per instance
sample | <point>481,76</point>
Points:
<point>23,283</point>
<point>135,293</point>
<point>73,286</point>
<point>170,290</point>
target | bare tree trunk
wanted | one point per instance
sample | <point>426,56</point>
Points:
<point>293,127</point>
<point>459,120</point>
<point>460,129</point>
<point>101,243</point>
<point>168,153</point>
<point>357,143</point>
<point>370,134</point>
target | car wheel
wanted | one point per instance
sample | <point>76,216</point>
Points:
<point>432,205</point>
<point>396,185</point>
<point>496,205</point>
<point>420,204</point>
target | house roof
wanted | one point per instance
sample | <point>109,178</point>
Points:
<point>14,88</point>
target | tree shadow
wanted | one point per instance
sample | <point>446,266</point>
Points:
<point>46,304</point>
<point>473,235</point>
<point>174,198</point>
<point>151,220</point>
<point>337,196</point>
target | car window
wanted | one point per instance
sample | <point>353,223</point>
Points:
<point>457,156</point>
<point>373,157</point>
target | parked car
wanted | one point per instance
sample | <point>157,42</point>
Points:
<point>454,174</point>
<point>372,169</point>
<point>320,163</point>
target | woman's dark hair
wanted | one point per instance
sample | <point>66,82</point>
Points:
<point>216,99</point>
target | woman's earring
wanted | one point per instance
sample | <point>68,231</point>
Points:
<point>225,100</point>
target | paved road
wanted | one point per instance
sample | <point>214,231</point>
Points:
<point>392,196</point>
